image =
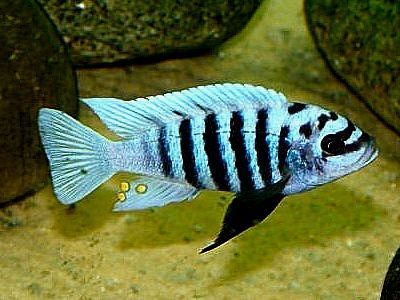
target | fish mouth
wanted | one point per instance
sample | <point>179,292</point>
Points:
<point>370,154</point>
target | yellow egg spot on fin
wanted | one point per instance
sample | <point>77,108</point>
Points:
<point>141,188</point>
<point>124,186</point>
<point>121,197</point>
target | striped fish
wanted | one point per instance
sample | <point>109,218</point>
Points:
<point>232,137</point>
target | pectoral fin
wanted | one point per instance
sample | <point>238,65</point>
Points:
<point>246,210</point>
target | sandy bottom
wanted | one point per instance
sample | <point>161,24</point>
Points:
<point>335,242</point>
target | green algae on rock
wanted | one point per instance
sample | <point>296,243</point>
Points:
<point>108,31</point>
<point>360,42</point>
<point>35,71</point>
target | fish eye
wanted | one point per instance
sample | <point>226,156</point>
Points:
<point>332,145</point>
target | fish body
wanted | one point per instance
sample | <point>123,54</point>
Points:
<point>240,138</point>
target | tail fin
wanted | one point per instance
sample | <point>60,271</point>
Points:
<point>77,155</point>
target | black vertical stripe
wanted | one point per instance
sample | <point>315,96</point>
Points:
<point>242,160</point>
<point>216,163</point>
<point>296,107</point>
<point>163,148</point>
<point>333,116</point>
<point>306,130</point>
<point>262,147</point>
<point>187,147</point>
<point>283,148</point>
<point>322,119</point>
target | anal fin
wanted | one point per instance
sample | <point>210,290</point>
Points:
<point>147,192</point>
<point>247,210</point>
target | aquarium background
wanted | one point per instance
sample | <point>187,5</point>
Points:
<point>335,242</point>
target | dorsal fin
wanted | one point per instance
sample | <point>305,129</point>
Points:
<point>130,118</point>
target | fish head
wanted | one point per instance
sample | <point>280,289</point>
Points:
<point>330,152</point>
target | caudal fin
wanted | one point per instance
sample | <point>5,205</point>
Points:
<point>77,155</point>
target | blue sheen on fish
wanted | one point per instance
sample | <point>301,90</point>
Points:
<point>232,137</point>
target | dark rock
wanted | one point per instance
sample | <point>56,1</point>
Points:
<point>35,71</point>
<point>391,286</point>
<point>105,31</point>
<point>360,42</point>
